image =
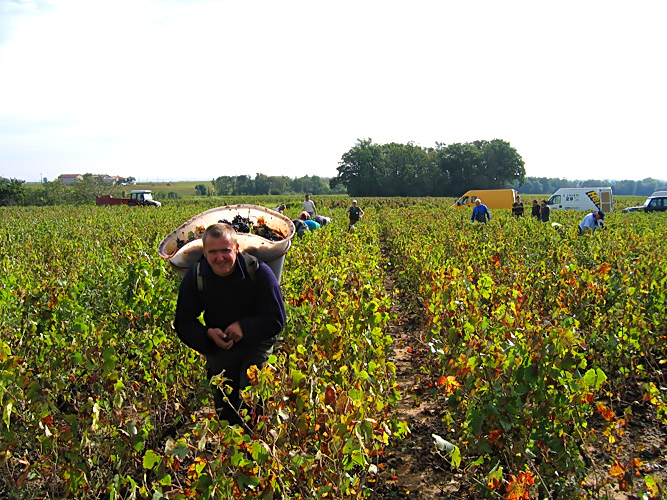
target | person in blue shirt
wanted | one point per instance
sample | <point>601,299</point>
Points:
<point>480,213</point>
<point>312,225</point>
<point>591,222</point>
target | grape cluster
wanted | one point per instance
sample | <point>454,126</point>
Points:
<point>240,224</point>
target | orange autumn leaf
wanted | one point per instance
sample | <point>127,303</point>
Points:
<point>606,412</point>
<point>330,396</point>
<point>616,470</point>
<point>253,375</point>
<point>449,383</point>
<point>519,487</point>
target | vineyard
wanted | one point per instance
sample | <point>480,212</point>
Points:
<point>540,353</point>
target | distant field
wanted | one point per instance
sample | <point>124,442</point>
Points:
<point>185,189</point>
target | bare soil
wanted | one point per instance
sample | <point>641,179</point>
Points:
<point>413,469</point>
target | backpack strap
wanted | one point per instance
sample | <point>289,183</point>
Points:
<point>251,265</point>
<point>251,262</point>
<point>200,278</point>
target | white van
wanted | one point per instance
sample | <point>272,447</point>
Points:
<point>585,199</point>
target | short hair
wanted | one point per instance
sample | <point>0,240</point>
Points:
<point>478,200</point>
<point>218,230</point>
<point>304,215</point>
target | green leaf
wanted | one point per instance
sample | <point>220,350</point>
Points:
<point>150,459</point>
<point>595,378</point>
<point>456,457</point>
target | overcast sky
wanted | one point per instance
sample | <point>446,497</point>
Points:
<point>171,89</point>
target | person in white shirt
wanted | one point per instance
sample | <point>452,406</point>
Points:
<point>309,206</point>
<point>591,222</point>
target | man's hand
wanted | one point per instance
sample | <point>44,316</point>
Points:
<point>220,338</point>
<point>234,332</point>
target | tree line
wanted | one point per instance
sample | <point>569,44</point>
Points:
<point>84,191</point>
<point>370,169</point>
<point>241,185</point>
<point>544,185</point>
<point>367,169</point>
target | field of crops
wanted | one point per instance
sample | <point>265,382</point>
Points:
<point>544,347</point>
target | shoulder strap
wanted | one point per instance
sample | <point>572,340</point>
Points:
<point>200,278</point>
<point>251,264</point>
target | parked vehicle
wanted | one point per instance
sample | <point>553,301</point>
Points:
<point>138,197</point>
<point>492,198</point>
<point>657,202</point>
<point>584,199</point>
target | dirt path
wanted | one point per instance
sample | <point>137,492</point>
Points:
<point>413,470</point>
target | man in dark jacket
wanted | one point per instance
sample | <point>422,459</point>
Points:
<point>243,313</point>
<point>535,212</point>
<point>545,211</point>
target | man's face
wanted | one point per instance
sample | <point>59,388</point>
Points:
<point>221,254</point>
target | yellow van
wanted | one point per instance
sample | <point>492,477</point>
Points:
<point>492,198</point>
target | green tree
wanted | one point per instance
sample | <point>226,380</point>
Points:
<point>279,185</point>
<point>459,166</point>
<point>50,193</point>
<point>200,190</point>
<point>12,192</point>
<point>262,184</point>
<point>410,170</point>
<point>224,185</point>
<point>478,165</point>
<point>86,189</point>
<point>502,164</point>
<point>361,168</point>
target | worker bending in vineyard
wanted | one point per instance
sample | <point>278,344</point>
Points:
<point>243,310</point>
<point>591,222</point>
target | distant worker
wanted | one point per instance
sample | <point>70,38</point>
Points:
<point>517,207</point>
<point>545,212</point>
<point>281,208</point>
<point>309,206</point>
<point>591,222</point>
<point>355,213</point>
<point>535,210</point>
<point>300,227</point>
<point>305,217</point>
<point>322,220</point>
<point>480,213</point>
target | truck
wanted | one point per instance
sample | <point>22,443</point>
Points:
<point>657,202</point>
<point>138,197</point>
<point>492,198</point>
<point>583,199</point>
